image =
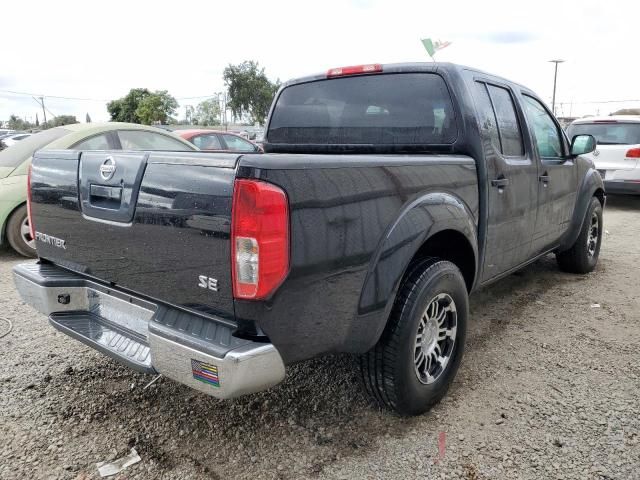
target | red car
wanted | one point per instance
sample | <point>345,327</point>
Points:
<point>217,141</point>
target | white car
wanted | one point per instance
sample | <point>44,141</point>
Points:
<point>13,139</point>
<point>617,155</point>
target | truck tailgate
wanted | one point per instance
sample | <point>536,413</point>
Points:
<point>152,223</point>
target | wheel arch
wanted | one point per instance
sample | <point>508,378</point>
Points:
<point>453,246</point>
<point>437,224</point>
<point>591,186</point>
<point>3,227</point>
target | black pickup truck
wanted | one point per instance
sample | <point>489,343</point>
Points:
<point>386,194</point>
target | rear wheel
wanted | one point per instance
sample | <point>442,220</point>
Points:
<point>19,233</point>
<point>418,355</point>
<point>582,257</point>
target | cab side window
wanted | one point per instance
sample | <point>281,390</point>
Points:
<point>508,126</point>
<point>546,132</point>
<point>488,121</point>
<point>499,119</point>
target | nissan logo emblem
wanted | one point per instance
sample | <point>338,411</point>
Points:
<point>108,168</point>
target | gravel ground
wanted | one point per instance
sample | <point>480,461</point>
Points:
<point>548,389</point>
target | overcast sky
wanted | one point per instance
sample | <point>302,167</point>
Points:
<point>100,49</point>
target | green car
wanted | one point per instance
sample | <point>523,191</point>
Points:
<point>15,161</point>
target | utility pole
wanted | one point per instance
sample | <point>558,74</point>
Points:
<point>40,101</point>
<point>555,79</point>
<point>226,122</point>
<point>220,107</point>
<point>222,99</point>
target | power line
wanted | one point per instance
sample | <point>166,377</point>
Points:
<point>195,98</point>
<point>601,101</point>
<point>85,99</point>
<point>53,96</point>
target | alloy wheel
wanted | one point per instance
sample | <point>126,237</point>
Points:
<point>435,338</point>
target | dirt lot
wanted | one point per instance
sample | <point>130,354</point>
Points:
<point>549,388</point>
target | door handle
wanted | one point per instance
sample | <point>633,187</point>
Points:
<point>544,178</point>
<point>500,182</point>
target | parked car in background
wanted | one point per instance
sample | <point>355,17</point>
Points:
<point>3,136</point>
<point>12,139</point>
<point>218,141</point>
<point>14,166</point>
<point>617,156</point>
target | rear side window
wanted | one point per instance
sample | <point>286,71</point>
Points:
<point>238,144</point>
<point>207,142</point>
<point>608,132</point>
<point>97,142</point>
<point>388,109</point>
<point>143,140</point>
<point>508,126</point>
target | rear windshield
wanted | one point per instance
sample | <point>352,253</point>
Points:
<point>608,133</point>
<point>389,109</point>
<point>21,151</point>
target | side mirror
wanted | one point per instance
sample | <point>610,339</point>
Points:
<point>583,144</point>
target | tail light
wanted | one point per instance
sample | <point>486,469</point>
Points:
<point>633,153</point>
<point>259,239</point>
<point>32,228</point>
<point>354,70</point>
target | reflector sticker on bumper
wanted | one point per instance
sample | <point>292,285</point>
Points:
<point>205,372</point>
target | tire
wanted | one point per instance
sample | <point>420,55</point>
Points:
<point>19,239</point>
<point>582,257</point>
<point>390,371</point>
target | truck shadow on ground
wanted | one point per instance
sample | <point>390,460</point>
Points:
<point>8,254</point>
<point>316,416</point>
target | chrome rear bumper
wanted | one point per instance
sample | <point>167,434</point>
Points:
<point>198,351</point>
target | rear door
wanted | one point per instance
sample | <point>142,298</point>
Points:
<point>153,223</point>
<point>558,180</point>
<point>512,175</point>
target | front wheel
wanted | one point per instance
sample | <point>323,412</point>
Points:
<point>19,233</point>
<point>582,257</point>
<point>414,362</point>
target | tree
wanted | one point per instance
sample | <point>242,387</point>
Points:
<point>60,120</point>
<point>627,111</point>
<point>207,113</point>
<point>143,106</point>
<point>87,118</point>
<point>250,91</point>
<point>17,123</point>
<point>124,109</point>
<point>189,115</point>
<point>157,107</point>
